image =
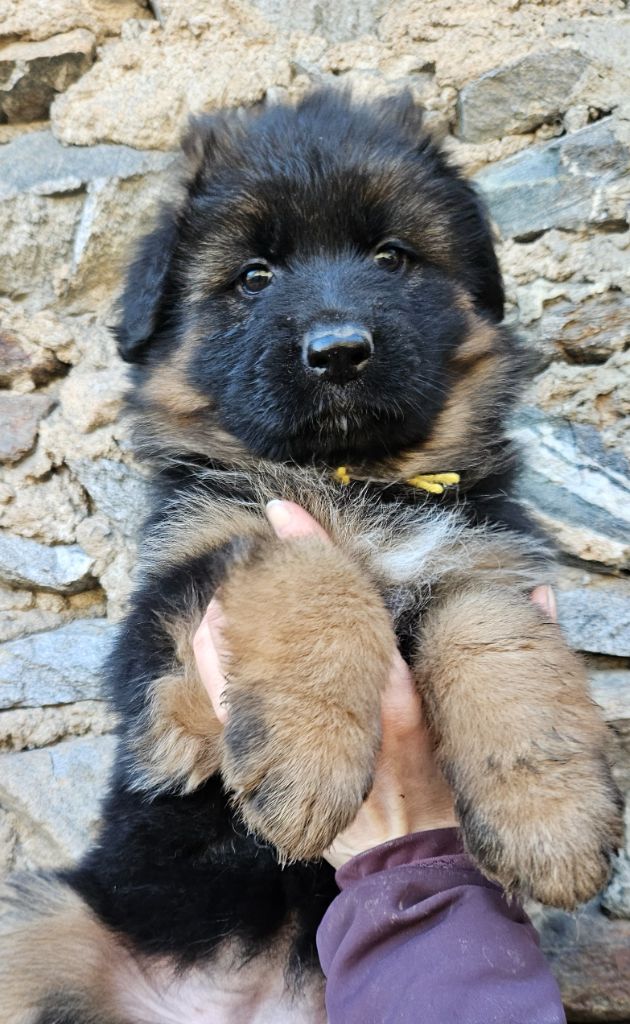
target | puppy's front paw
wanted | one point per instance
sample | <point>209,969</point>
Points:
<point>547,837</point>
<point>299,771</point>
<point>522,745</point>
<point>311,647</point>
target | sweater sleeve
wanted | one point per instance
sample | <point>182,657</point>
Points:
<point>418,936</point>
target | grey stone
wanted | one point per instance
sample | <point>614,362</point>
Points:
<point>616,899</point>
<point>116,490</point>
<point>20,416</point>
<point>519,97</point>
<point>576,488</point>
<point>37,163</point>
<point>328,18</point>
<point>561,184</point>
<point>54,795</point>
<point>587,331</point>
<point>31,74</point>
<point>589,955</point>
<point>597,619</point>
<point>56,667</point>
<point>610,688</point>
<point>25,563</point>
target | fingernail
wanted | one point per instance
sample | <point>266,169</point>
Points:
<point>552,606</point>
<point>278,515</point>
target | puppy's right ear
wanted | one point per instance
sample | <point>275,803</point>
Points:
<point>207,141</point>
<point>141,300</point>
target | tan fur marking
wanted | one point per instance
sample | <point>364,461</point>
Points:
<point>203,530</point>
<point>178,741</point>
<point>311,646</point>
<point>522,743</point>
<point>55,946</point>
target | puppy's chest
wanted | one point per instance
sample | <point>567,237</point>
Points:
<point>220,993</point>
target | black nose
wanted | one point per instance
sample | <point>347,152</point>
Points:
<point>339,353</point>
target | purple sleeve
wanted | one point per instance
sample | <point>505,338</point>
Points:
<point>418,934</point>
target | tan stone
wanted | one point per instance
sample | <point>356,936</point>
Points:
<point>34,346</point>
<point>48,511</point>
<point>141,91</point>
<point>27,728</point>
<point>36,240</point>
<point>598,395</point>
<point>105,388</point>
<point>31,74</point>
<point>115,214</point>
<point>20,416</point>
<point>39,19</point>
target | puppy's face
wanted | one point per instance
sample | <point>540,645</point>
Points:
<point>320,292</point>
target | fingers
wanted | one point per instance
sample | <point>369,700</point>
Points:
<point>545,598</point>
<point>290,521</point>
<point>208,646</point>
<point>400,703</point>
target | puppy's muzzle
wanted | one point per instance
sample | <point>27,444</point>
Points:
<point>338,353</point>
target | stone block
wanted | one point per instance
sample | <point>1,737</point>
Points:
<point>589,955</point>
<point>576,488</point>
<point>597,619</point>
<point>55,202</point>
<point>519,97</point>
<point>20,416</point>
<point>331,19</point>
<point>567,183</point>
<point>56,667</point>
<point>25,563</point>
<point>37,163</point>
<point>28,728</point>
<point>586,331</point>
<point>40,19</point>
<point>118,492</point>
<point>32,73</point>
<point>49,510</point>
<point>53,797</point>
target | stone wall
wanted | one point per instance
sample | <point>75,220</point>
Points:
<point>533,101</point>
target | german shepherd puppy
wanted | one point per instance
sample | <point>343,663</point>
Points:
<point>316,316</point>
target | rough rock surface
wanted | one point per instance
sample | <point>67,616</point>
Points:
<point>24,563</point>
<point>531,99</point>
<point>31,74</point>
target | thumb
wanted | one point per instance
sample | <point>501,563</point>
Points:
<point>289,521</point>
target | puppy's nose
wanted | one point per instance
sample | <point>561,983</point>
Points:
<point>339,353</point>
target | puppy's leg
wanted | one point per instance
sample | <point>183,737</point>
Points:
<point>55,958</point>
<point>311,647</point>
<point>521,742</point>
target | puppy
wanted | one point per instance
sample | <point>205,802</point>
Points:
<point>316,316</point>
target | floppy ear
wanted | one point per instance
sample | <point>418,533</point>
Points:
<point>482,272</point>
<point>141,300</point>
<point>207,141</point>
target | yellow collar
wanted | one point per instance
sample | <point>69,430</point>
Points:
<point>434,483</point>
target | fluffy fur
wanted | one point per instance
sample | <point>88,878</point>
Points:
<point>342,219</point>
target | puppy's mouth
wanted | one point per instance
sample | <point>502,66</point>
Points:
<point>333,434</point>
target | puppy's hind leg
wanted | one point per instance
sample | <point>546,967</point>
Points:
<point>521,742</point>
<point>55,957</point>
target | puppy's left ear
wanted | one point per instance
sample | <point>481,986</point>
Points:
<point>481,266</point>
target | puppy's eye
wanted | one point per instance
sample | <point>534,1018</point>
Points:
<point>389,257</point>
<point>255,278</point>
